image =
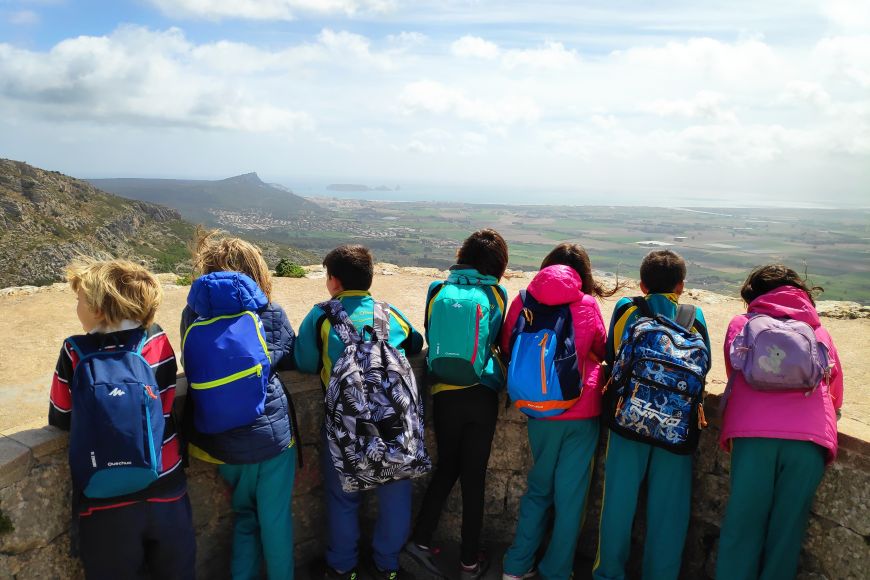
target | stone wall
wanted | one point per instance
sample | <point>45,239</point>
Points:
<point>34,495</point>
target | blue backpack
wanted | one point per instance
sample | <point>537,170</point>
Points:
<point>543,379</point>
<point>658,376</point>
<point>116,433</point>
<point>226,360</point>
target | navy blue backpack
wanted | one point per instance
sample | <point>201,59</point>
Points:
<point>543,379</point>
<point>116,433</point>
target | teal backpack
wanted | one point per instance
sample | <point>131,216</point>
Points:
<point>458,330</point>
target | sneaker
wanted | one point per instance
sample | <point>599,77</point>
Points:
<point>475,571</point>
<point>333,574</point>
<point>379,574</point>
<point>426,558</point>
<point>530,574</point>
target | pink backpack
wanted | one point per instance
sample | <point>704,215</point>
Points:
<point>778,354</point>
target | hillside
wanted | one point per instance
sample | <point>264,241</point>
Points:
<point>47,219</point>
<point>224,202</point>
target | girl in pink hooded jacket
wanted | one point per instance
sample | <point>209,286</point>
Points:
<point>780,441</point>
<point>563,446</point>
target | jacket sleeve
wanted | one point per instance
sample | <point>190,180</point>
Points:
<point>60,397</point>
<point>507,328</point>
<point>285,342</point>
<point>835,387</point>
<point>413,342</point>
<point>430,294</point>
<point>613,341</point>
<point>306,350</point>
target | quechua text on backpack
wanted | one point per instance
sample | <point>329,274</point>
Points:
<point>779,354</point>
<point>543,379</point>
<point>116,433</point>
<point>658,381</point>
<point>458,322</point>
<point>374,413</point>
<point>226,360</point>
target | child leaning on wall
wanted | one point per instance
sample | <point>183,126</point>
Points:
<point>465,397</point>
<point>257,460</point>
<point>349,273</point>
<point>629,462</point>
<point>94,394</point>
<point>780,439</point>
<point>563,446</point>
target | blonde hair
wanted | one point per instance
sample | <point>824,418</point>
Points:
<point>117,289</point>
<point>214,252</point>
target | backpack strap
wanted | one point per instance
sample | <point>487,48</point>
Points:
<point>381,313</point>
<point>686,316</point>
<point>340,321</point>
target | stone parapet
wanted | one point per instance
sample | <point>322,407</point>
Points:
<point>35,489</point>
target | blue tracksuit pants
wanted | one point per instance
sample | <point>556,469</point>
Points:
<point>563,453</point>
<point>342,520</point>
<point>669,494</point>
<point>263,528</point>
<point>773,483</point>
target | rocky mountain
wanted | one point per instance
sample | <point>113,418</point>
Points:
<point>47,219</point>
<point>200,200</point>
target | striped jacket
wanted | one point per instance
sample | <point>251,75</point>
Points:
<point>159,354</point>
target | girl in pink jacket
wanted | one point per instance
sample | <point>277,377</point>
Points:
<point>563,446</point>
<point>780,441</point>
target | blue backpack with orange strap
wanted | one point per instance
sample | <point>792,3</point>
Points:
<point>116,433</point>
<point>543,379</point>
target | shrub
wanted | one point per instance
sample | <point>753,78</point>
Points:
<point>184,280</point>
<point>288,269</point>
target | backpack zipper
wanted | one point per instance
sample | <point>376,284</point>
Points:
<point>256,369</point>
<point>543,345</point>
<point>476,334</point>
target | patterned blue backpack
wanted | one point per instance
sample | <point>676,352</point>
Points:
<point>543,379</point>
<point>374,413</point>
<point>117,428</point>
<point>658,378</point>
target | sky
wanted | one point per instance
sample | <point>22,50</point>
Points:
<point>595,101</point>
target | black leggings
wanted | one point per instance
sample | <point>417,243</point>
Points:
<point>464,427</point>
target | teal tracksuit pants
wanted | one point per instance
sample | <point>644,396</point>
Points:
<point>262,497</point>
<point>563,453</point>
<point>669,495</point>
<point>773,482</point>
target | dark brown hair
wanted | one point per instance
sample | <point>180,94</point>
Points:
<point>485,251</point>
<point>576,257</point>
<point>661,271</point>
<point>352,264</point>
<point>763,279</point>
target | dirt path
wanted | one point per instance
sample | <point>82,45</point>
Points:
<point>34,326</point>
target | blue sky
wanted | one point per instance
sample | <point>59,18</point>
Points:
<point>598,100</point>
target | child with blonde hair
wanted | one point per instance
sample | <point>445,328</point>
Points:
<point>242,424</point>
<point>129,489</point>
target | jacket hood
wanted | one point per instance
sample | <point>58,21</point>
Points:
<point>557,284</point>
<point>221,293</point>
<point>462,274</point>
<point>786,301</point>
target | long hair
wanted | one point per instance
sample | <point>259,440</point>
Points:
<point>212,251</point>
<point>576,257</point>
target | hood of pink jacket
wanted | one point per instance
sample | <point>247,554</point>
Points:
<point>783,415</point>
<point>562,285</point>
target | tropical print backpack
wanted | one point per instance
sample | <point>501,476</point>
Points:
<point>543,379</point>
<point>658,380</point>
<point>117,433</point>
<point>779,354</point>
<point>374,413</point>
<point>458,331</point>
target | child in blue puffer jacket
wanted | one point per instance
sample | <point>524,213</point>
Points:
<point>257,460</point>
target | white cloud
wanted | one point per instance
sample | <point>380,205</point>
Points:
<point>705,105</point>
<point>434,97</point>
<point>439,141</point>
<point>266,9</point>
<point>845,56</point>
<point>474,47</point>
<point>553,55</point>
<point>849,14</point>
<point>134,76</point>
<point>806,92</point>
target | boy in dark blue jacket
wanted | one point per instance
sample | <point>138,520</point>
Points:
<point>349,272</point>
<point>257,460</point>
